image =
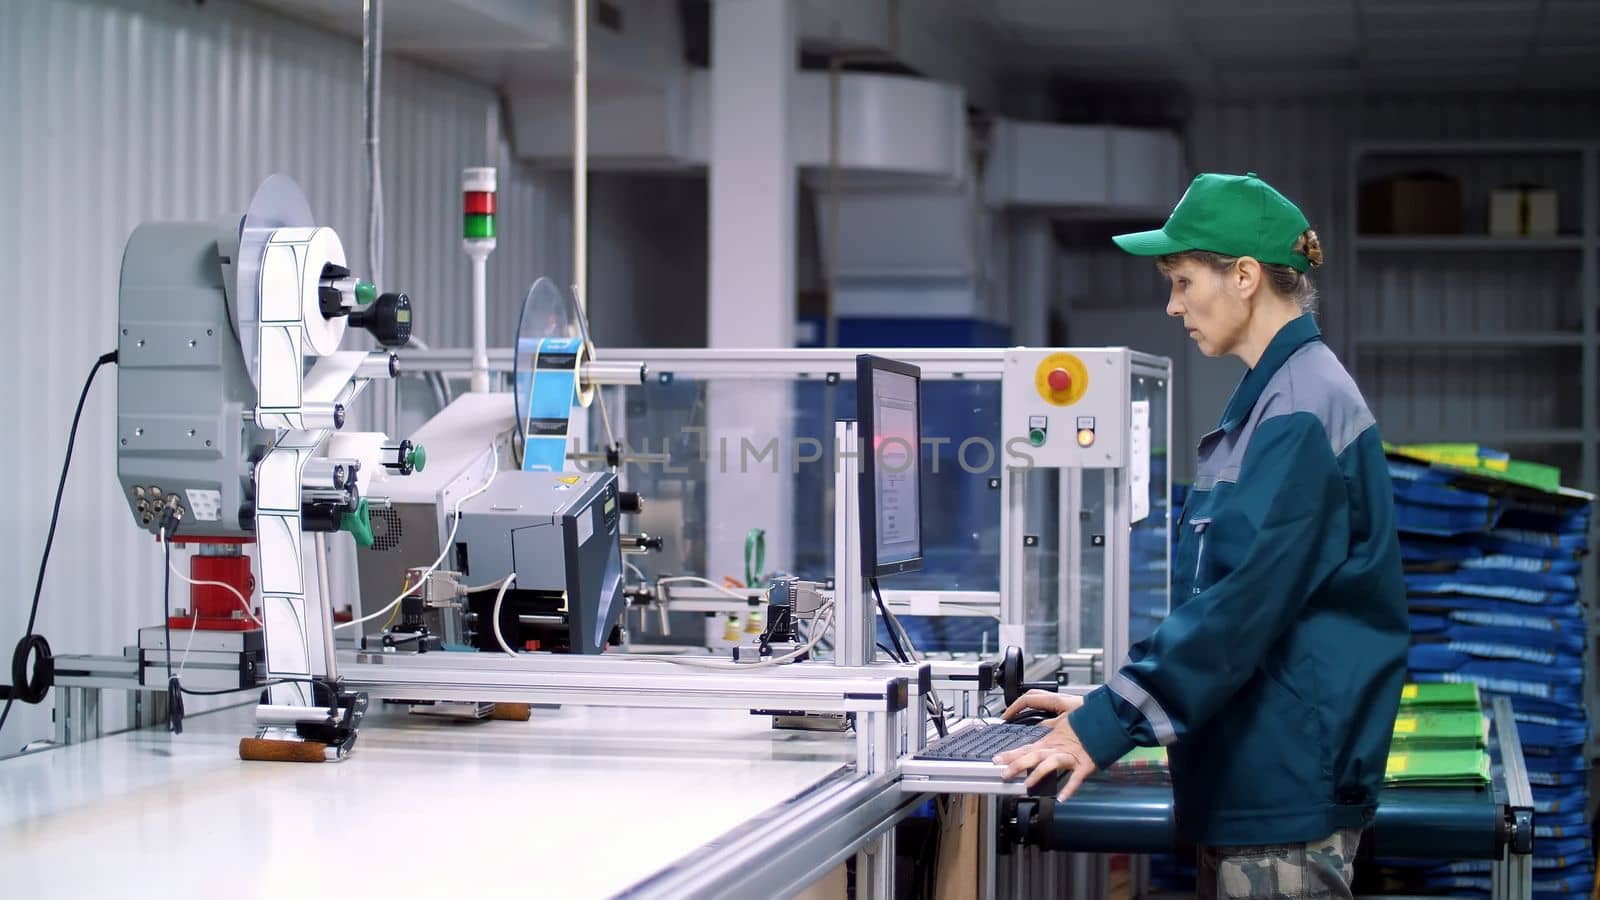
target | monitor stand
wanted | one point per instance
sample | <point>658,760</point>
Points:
<point>855,618</point>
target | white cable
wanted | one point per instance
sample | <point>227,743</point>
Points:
<point>635,570</point>
<point>500,597</point>
<point>243,603</point>
<point>727,665</point>
<point>817,633</point>
<point>449,543</point>
<point>696,579</point>
<point>491,586</point>
<point>894,622</point>
<point>194,616</point>
<point>194,623</point>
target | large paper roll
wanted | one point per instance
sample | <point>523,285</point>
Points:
<point>291,323</point>
<point>322,335</point>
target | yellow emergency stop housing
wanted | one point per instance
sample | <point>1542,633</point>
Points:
<point>1077,374</point>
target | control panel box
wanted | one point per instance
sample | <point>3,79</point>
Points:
<point>1066,408</point>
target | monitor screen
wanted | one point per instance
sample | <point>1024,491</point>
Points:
<point>889,424</point>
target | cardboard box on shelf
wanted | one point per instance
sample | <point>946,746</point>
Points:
<point>1523,211</point>
<point>1413,203</point>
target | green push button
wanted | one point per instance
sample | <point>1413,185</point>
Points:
<point>1036,437</point>
<point>366,292</point>
<point>419,457</point>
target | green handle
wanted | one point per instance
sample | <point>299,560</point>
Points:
<point>755,556</point>
<point>359,524</point>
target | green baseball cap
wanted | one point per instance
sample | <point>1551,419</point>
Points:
<point>1234,215</point>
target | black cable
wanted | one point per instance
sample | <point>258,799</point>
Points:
<point>936,712</point>
<point>166,596</point>
<point>892,625</point>
<point>50,535</point>
<point>883,609</point>
<point>174,689</point>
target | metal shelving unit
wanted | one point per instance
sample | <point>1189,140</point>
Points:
<point>1580,251</point>
<point>1363,349</point>
<point>1510,438</point>
<point>1507,339</point>
<point>1402,243</point>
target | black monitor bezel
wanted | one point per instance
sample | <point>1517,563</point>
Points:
<point>866,365</point>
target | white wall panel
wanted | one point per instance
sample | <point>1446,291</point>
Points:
<point>117,112</point>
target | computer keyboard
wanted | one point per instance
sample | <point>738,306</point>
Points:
<point>981,742</point>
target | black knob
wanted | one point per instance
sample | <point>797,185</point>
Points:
<point>388,318</point>
<point>403,458</point>
<point>329,297</point>
<point>653,543</point>
<point>631,502</point>
<point>1011,664</point>
<point>321,517</point>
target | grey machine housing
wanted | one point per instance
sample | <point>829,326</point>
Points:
<point>559,532</point>
<point>182,382</point>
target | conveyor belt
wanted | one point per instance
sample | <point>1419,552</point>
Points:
<point>1124,818</point>
<point>1420,823</point>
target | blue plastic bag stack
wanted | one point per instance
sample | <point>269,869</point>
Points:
<point>1493,588</point>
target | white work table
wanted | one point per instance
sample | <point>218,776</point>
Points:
<point>578,802</point>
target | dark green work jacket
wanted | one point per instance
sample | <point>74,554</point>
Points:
<point>1276,677</point>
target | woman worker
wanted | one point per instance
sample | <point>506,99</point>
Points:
<point>1275,680</point>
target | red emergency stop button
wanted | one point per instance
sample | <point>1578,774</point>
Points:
<point>1061,379</point>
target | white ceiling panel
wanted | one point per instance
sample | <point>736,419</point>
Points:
<point>1415,45</point>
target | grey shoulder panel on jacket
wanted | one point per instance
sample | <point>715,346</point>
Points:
<point>1312,380</point>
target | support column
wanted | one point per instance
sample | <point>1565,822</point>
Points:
<point>752,182</point>
<point>1032,254</point>
<point>752,280</point>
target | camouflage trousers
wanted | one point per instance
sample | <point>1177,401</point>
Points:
<point>1315,870</point>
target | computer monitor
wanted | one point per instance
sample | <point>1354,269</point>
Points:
<point>889,425</point>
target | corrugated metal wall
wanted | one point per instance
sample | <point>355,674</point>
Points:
<point>117,112</point>
<point>1302,146</point>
